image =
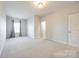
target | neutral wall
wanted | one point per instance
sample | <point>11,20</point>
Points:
<point>37,25</point>
<point>30,27</point>
<point>2,26</point>
<point>8,26</point>
<point>43,29</point>
<point>33,27</point>
<point>57,25</point>
<point>24,27</point>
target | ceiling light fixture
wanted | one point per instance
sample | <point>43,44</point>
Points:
<point>40,3</point>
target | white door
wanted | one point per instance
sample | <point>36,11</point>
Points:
<point>74,30</point>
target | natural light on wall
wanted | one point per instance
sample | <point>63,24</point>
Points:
<point>40,3</point>
<point>43,28</point>
<point>17,27</point>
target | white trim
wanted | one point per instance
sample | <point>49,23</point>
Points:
<point>63,42</point>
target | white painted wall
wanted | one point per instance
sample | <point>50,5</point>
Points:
<point>57,25</point>
<point>49,22</point>
<point>37,25</point>
<point>2,26</point>
<point>24,27</point>
<point>33,27</point>
<point>30,27</point>
<point>8,26</point>
<point>43,29</point>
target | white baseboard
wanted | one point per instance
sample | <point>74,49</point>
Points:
<point>60,41</point>
<point>57,41</point>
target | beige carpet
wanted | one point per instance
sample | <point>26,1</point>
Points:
<point>24,47</point>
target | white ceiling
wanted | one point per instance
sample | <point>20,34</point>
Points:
<point>26,9</point>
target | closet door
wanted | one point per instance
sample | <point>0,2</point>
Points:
<point>73,29</point>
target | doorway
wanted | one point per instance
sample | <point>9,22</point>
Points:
<point>43,29</point>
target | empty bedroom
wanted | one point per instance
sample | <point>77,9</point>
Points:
<point>39,29</point>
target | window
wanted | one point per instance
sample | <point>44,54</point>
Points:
<point>17,27</point>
